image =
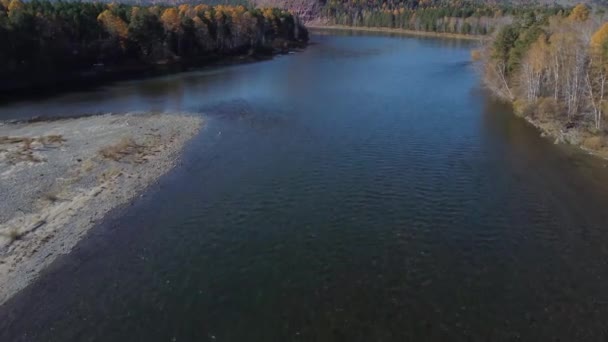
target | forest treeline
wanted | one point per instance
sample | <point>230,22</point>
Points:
<point>55,36</point>
<point>441,16</point>
<point>555,70</point>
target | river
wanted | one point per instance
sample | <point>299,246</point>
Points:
<point>364,189</point>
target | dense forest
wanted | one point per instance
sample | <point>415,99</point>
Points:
<point>41,37</point>
<point>444,16</point>
<point>555,70</point>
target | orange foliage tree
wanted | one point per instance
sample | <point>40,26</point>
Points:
<point>113,24</point>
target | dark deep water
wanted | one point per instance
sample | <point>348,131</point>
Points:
<point>365,189</point>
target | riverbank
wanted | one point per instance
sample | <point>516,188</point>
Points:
<point>133,39</point>
<point>58,178</point>
<point>577,133</point>
<point>19,86</point>
<point>564,97</point>
<point>396,31</point>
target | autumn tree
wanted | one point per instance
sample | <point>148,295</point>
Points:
<point>14,7</point>
<point>202,34</point>
<point>580,13</point>
<point>53,37</point>
<point>497,67</point>
<point>555,63</point>
<point>568,60</point>
<point>146,31</point>
<point>113,24</point>
<point>533,68</point>
<point>597,73</point>
<point>171,20</point>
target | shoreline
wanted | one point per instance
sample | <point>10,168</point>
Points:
<point>573,132</point>
<point>45,85</point>
<point>577,137</point>
<point>396,31</point>
<point>60,178</point>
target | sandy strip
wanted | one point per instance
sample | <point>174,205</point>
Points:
<point>58,178</point>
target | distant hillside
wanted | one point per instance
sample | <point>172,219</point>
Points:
<point>310,4</point>
<point>311,9</point>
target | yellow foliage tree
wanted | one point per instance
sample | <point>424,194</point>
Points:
<point>154,10</point>
<point>186,10</point>
<point>171,20</point>
<point>533,67</point>
<point>538,54</point>
<point>268,13</point>
<point>199,24</point>
<point>219,13</point>
<point>135,11</point>
<point>208,15</point>
<point>200,9</point>
<point>14,6</point>
<point>599,40</point>
<point>580,13</point>
<point>597,73</point>
<point>113,24</point>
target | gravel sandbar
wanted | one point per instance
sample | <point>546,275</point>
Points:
<point>58,178</point>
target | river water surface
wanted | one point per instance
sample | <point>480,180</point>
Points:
<point>365,189</point>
